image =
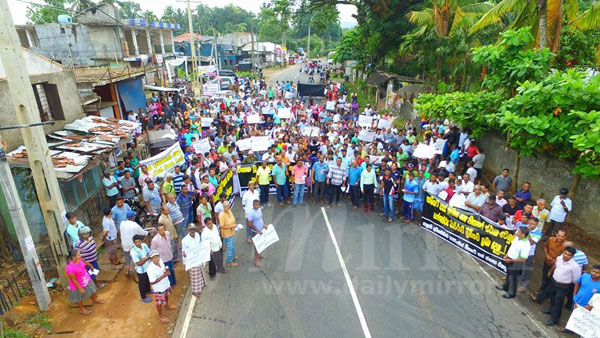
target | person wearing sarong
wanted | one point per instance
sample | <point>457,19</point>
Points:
<point>197,274</point>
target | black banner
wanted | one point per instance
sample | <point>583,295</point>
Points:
<point>309,89</point>
<point>467,231</point>
<point>225,186</point>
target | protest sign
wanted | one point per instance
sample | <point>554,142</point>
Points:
<point>206,122</point>
<point>311,131</point>
<point>202,146</point>
<point>261,143</point>
<point>584,323</point>
<point>367,136</point>
<point>365,121</point>
<point>439,145</point>
<point>330,106</point>
<point>253,119</point>
<point>467,231</point>
<point>244,144</point>
<point>196,255</point>
<point>268,237</point>
<point>384,124</point>
<point>289,95</point>
<point>424,151</point>
<point>164,162</point>
<point>284,113</point>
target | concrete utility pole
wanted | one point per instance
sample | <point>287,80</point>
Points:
<point>253,52</point>
<point>195,82</point>
<point>308,42</point>
<point>30,257</point>
<point>38,154</point>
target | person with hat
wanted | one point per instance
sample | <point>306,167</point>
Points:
<point>130,228</point>
<point>87,247</point>
<point>160,276</point>
<point>560,206</point>
<point>111,186</point>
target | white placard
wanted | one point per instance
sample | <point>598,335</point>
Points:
<point>439,145</point>
<point>375,159</point>
<point>365,121</point>
<point>268,237</point>
<point>384,124</point>
<point>197,254</point>
<point>289,95</point>
<point>284,113</point>
<point>261,143</point>
<point>253,119</point>
<point>367,136</point>
<point>424,151</point>
<point>244,144</point>
<point>311,131</point>
<point>330,105</point>
<point>202,146</point>
<point>206,122</point>
<point>165,161</point>
<point>584,323</point>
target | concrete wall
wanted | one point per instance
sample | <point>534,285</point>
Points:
<point>547,175</point>
<point>106,42</point>
<point>67,44</point>
<point>69,98</point>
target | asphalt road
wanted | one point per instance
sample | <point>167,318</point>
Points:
<point>408,283</point>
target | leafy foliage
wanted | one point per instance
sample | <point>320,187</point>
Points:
<point>510,62</point>
<point>477,110</point>
<point>578,48</point>
<point>587,142</point>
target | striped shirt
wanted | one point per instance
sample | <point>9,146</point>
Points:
<point>178,182</point>
<point>87,249</point>
<point>337,175</point>
<point>175,212</point>
<point>581,258</point>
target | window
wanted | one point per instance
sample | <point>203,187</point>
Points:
<point>76,192</point>
<point>48,101</point>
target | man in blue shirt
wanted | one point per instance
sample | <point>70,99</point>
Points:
<point>257,225</point>
<point>319,176</point>
<point>279,173</point>
<point>354,178</point>
<point>454,155</point>
<point>119,212</point>
<point>523,195</point>
<point>587,285</point>
<point>420,197</point>
<point>411,190</point>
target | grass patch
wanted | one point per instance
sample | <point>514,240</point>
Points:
<point>362,92</point>
<point>42,321</point>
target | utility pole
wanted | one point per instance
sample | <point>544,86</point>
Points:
<point>38,154</point>
<point>253,52</point>
<point>30,257</point>
<point>195,83</point>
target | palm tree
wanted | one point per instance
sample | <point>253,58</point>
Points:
<point>443,20</point>
<point>545,17</point>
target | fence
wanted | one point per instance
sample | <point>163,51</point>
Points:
<point>12,290</point>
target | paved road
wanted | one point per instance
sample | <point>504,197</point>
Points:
<point>408,283</point>
<point>291,73</point>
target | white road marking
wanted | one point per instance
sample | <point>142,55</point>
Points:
<point>361,316</point>
<point>515,301</point>
<point>188,317</point>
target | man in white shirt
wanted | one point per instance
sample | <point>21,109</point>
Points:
<point>515,257</point>
<point>158,275</point>
<point>560,206</point>
<point>211,234</point>
<point>471,171</point>
<point>466,186</point>
<point>475,199</point>
<point>249,196</point>
<point>129,228</point>
<point>432,186</point>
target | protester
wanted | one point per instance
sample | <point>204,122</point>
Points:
<point>515,257</point>
<point>211,234</point>
<point>111,187</point>
<point>129,229</point>
<point>140,256</point>
<point>109,237</point>
<point>227,223</point>
<point>162,243</point>
<point>263,174</point>
<point>73,227</point>
<point>247,202</point>
<point>80,283</point>
<point>280,178</point>
<point>159,276</point>
<point>87,248</point>
<point>560,206</point>
<point>299,172</point>
<point>119,211</point>
<point>257,225</point>
<point>197,274</point>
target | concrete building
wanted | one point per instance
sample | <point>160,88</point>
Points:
<point>112,58</point>
<point>56,94</point>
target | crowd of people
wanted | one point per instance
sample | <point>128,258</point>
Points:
<point>318,154</point>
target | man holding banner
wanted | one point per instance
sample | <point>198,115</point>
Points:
<point>515,257</point>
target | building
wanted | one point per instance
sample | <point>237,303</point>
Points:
<point>228,48</point>
<point>112,58</point>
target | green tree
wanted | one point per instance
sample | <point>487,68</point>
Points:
<point>48,12</point>
<point>130,9</point>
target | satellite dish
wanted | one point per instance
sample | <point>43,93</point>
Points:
<point>64,19</point>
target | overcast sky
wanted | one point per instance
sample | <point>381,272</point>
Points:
<point>18,8</point>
